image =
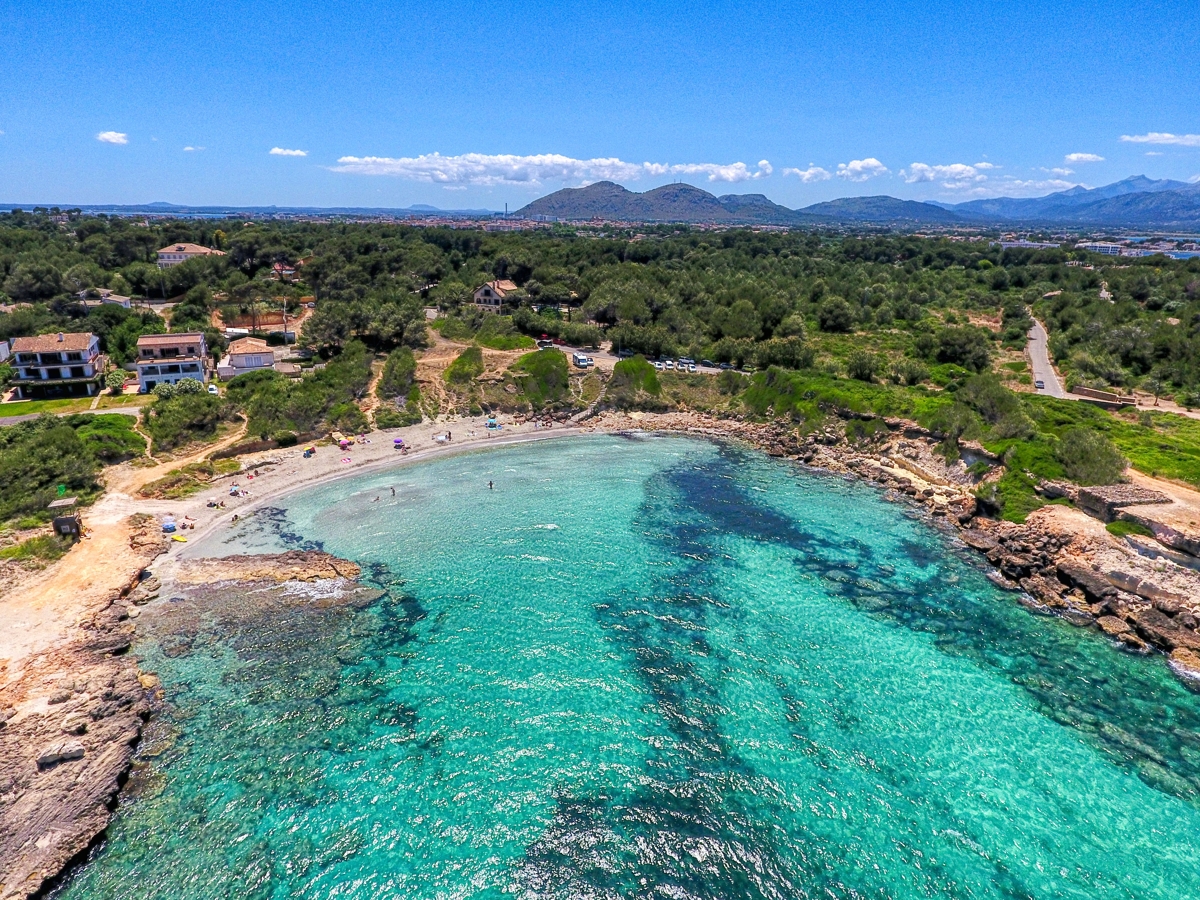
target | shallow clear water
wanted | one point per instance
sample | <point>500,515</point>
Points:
<point>651,667</point>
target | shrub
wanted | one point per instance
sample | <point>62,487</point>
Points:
<point>908,371</point>
<point>398,374</point>
<point>634,383</point>
<point>115,381</point>
<point>466,368</point>
<point>498,333</point>
<point>731,382</point>
<point>862,365</point>
<point>968,346</point>
<point>1089,457</point>
<point>791,353</point>
<point>176,420</point>
<point>347,417</point>
<point>542,377</point>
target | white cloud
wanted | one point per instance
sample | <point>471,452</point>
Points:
<point>1154,153</point>
<point>1082,157</point>
<point>496,169</point>
<point>956,176</point>
<point>112,137</point>
<point>192,149</point>
<point>1195,179</point>
<point>1163,137</point>
<point>1062,172</point>
<point>279,151</point>
<point>809,175</point>
<point>861,169</point>
<point>1017,187</point>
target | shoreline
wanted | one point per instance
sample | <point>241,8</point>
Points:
<point>60,783</point>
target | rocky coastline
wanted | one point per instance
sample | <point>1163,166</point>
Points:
<point>70,723</point>
<point>70,719</point>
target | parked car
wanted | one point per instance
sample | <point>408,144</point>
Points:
<point>580,360</point>
<point>708,363</point>
<point>670,365</point>
<point>1040,385</point>
<point>725,366</point>
<point>212,389</point>
<point>691,367</point>
<point>687,361</point>
<point>545,345</point>
<point>659,365</point>
<point>624,354</point>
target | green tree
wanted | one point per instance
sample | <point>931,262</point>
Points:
<point>1089,457</point>
<point>115,380</point>
<point>835,315</point>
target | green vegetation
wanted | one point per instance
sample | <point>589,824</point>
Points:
<point>542,378</point>
<point>40,456</point>
<point>916,323</point>
<point>498,333</point>
<point>1123,527</point>
<point>466,368</point>
<point>179,419</point>
<point>43,548</point>
<point>634,384</point>
<point>189,479</point>
<point>398,392</point>
<point>326,399</point>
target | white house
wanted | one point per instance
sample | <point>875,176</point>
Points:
<point>4,351</point>
<point>181,253</point>
<point>246,355</point>
<point>490,296</point>
<point>168,358</point>
<point>99,296</point>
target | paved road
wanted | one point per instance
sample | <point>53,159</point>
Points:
<point>1043,371</point>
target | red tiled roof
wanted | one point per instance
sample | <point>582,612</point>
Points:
<point>53,343</point>
<point>191,248</point>
<point>248,345</point>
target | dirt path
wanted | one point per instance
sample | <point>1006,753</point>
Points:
<point>39,612</point>
<point>370,403</point>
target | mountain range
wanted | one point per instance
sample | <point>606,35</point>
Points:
<point>1137,202</point>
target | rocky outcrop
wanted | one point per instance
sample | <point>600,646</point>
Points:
<point>1105,501</point>
<point>74,718</point>
<point>69,721</point>
<point>294,565</point>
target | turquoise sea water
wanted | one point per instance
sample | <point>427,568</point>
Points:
<point>648,667</point>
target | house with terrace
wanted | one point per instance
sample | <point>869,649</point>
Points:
<point>57,365</point>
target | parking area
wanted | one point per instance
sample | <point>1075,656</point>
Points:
<point>605,360</point>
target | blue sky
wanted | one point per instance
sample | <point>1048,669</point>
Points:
<point>101,101</point>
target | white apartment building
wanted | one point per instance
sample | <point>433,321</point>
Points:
<point>57,365</point>
<point>168,358</point>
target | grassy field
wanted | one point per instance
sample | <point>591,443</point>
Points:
<point>36,407</point>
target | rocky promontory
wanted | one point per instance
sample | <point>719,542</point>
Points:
<point>70,718</point>
<point>294,565</point>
